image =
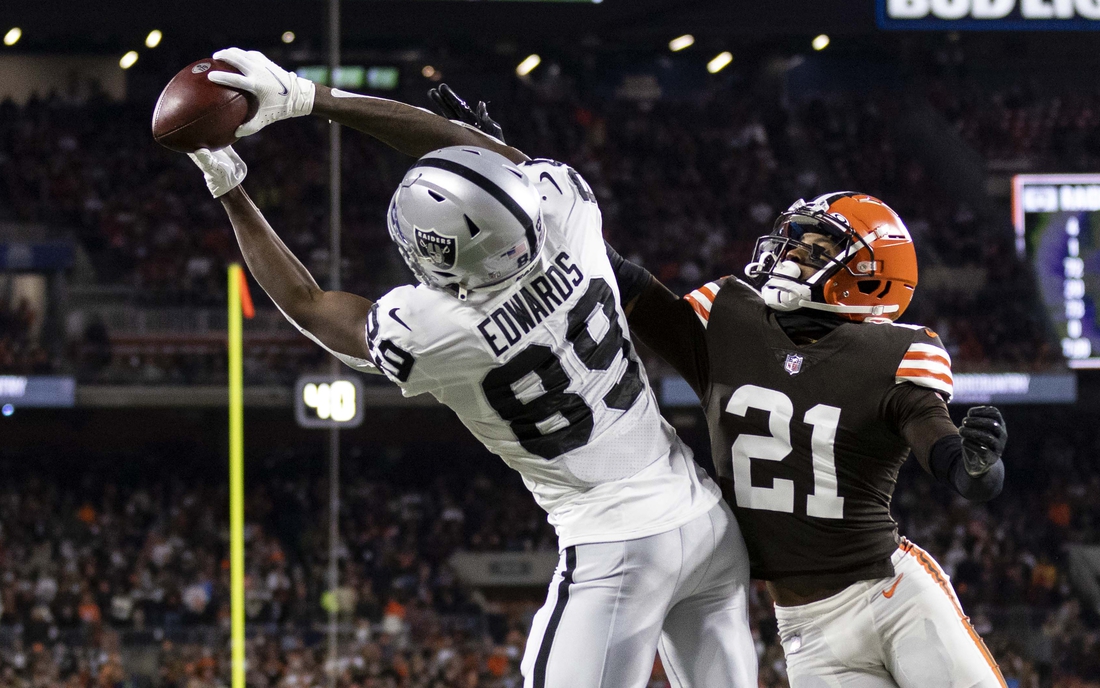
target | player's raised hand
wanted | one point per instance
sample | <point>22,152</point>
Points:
<point>223,169</point>
<point>281,94</point>
<point>984,436</point>
<point>454,108</point>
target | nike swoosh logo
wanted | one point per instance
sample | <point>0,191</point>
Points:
<point>393,314</point>
<point>285,91</point>
<point>547,177</point>
<point>889,592</point>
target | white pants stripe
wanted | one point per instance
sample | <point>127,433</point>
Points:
<point>612,606</point>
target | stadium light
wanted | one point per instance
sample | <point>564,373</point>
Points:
<point>428,72</point>
<point>128,59</point>
<point>719,62</point>
<point>528,65</point>
<point>288,37</point>
<point>680,42</point>
<point>153,39</point>
<point>821,42</point>
<point>13,35</point>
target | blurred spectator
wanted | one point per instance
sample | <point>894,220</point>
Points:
<point>20,353</point>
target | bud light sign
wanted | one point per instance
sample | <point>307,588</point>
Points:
<point>989,15</point>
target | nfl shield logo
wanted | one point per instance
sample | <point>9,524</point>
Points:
<point>436,248</point>
<point>793,364</point>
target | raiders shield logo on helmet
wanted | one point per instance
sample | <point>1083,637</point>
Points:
<point>436,248</point>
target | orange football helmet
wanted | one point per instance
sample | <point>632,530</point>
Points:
<point>872,275</point>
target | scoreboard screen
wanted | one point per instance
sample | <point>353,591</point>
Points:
<point>1057,218</point>
<point>326,401</point>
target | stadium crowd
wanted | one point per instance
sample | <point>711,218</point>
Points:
<point>1028,126</point>
<point>685,188</point>
<point>103,564</point>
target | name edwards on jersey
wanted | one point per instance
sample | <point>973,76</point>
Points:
<point>535,300</point>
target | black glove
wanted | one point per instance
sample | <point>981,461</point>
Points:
<point>984,436</point>
<point>452,107</point>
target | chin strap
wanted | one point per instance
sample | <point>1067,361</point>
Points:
<point>463,292</point>
<point>783,294</point>
<point>865,310</point>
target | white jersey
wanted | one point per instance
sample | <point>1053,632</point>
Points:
<point>545,375</point>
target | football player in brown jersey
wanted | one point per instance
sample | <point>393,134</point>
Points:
<point>815,397</point>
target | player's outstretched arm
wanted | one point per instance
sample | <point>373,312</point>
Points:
<point>411,130</point>
<point>282,94</point>
<point>662,321</point>
<point>335,320</point>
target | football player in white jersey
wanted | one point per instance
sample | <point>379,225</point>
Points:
<point>515,325</point>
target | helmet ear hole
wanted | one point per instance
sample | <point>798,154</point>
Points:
<point>869,286</point>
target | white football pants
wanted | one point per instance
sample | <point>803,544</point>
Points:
<point>907,631</point>
<point>613,605</point>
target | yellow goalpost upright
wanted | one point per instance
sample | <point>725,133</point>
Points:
<point>240,303</point>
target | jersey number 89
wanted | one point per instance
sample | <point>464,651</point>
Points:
<point>556,421</point>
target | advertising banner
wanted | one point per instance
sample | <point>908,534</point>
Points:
<point>988,15</point>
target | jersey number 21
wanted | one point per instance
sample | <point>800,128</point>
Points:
<point>824,502</point>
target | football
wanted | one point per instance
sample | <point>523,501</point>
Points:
<point>194,112</point>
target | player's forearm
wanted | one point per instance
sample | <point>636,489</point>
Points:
<point>924,422</point>
<point>411,130</point>
<point>271,263</point>
<point>947,465</point>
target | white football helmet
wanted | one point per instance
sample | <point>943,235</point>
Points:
<point>465,219</point>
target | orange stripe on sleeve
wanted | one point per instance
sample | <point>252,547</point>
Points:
<point>929,564</point>
<point>707,292</point>
<point>698,308</point>
<point>920,372</point>
<point>919,356</point>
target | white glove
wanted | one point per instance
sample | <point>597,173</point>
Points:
<point>223,169</point>
<point>282,94</point>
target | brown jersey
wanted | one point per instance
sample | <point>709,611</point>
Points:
<point>806,439</point>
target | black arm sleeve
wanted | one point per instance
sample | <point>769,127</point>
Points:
<point>663,322</point>
<point>919,415</point>
<point>632,278</point>
<point>946,463</point>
